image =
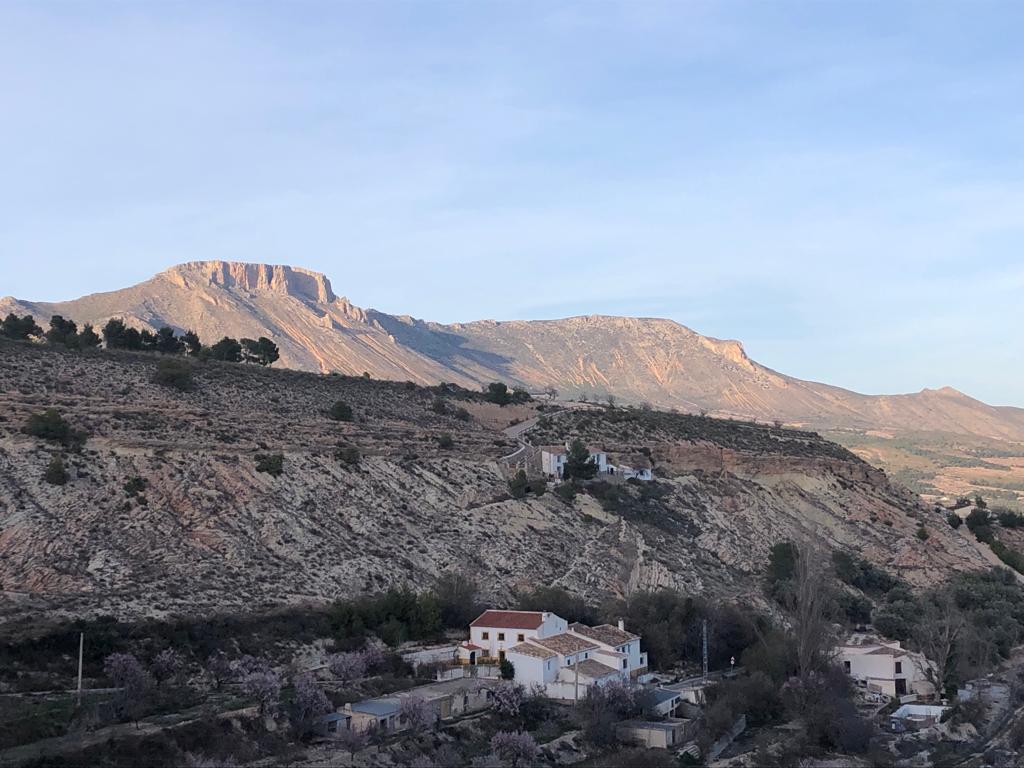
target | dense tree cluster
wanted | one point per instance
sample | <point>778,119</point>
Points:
<point>117,334</point>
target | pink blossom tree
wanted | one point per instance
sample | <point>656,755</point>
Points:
<point>309,703</point>
<point>514,748</point>
<point>134,685</point>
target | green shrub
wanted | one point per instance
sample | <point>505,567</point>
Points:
<point>565,491</point>
<point>462,414</point>
<point>518,485</point>
<point>508,670</point>
<point>135,485</point>
<point>497,392</point>
<point>1008,518</point>
<point>445,441</point>
<point>922,533</point>
<point>50,425</point>
<point>56,474</point>
<point>954,520</point>
<point>272,463</point>
<point>348,454</point>
<point>341,411</point>
<point>174,373</point>
<point>20,328</point>
<point>439,405</point>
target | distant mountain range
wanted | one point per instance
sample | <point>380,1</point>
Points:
<point>634,359</point>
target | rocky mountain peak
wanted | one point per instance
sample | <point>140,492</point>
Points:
<point>255,278</point>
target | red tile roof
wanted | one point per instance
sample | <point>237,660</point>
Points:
<point>509,619</point>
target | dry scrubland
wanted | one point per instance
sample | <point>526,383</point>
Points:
<point>165,512</point>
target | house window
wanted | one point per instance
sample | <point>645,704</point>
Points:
<point>625,663</point>
<point>846,667</point>
<point>501,635</point>
<point>568,662</point>
<point>520,637</point>
<point>332,726</point>
<point>586,655</point>
<point>486,635</point>
<point>899,667</point>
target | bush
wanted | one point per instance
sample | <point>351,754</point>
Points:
<point>565,491</point>
<point>1009,519</point>
<point>497,393</point>
<point>954,520</point>
<point>462,414</point>
<point>135,485</point>
<point>19,328</point>
<point>348,454</point>
<point>174,373</point>
<point>227,350</point>
<point>518,485</point>
<point>445,441</point>
<point>341,411</point>
<point>977,519</point>
<point>508,670</point>
<point>50,425</point>
<point>922,533</point>
<point>439,405</point>
<point>56,474</point>
<point>272,464</point>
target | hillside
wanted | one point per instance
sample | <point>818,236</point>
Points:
<point>635,359</point>
<point>208,531</point>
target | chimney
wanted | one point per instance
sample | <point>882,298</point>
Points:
<point>622,625</point>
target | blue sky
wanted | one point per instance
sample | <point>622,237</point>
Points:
<point>838,185</point>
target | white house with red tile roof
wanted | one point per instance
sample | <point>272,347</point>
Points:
<point>883,666</point>
<point>615,646</point>
<point>493,632</point>
<point>546,652</point>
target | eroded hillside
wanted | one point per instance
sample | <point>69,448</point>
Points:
<point>165,511</point>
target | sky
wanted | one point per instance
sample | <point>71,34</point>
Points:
<point>839,185</point>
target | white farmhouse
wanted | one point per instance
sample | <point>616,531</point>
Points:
<point>882,666</point>
<point>547,653</point>
<point>553,458</point>
<point>615,646</point>
<point>492,633</point>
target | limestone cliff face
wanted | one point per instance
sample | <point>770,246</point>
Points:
<point>207,531</point>
<point>635,359</point>
<point>254,278</point>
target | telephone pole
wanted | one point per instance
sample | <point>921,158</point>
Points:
<point>81,646</point>
<point>704,630</point>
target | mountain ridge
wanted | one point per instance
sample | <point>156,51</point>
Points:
<point>654,360</point>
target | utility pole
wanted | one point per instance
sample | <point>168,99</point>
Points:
<point>576,690</point>
<point>81,646</point>
<point>705,637</point>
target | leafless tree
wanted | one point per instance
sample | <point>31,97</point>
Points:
<point>417,713</point>
<point>353,741</point>
<point>134,685</point>
<point>814,643</point>
<point>219,669</point>
<point>937,632</point>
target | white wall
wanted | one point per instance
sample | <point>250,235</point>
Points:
<point>529,669</point>
<point>495,642</point>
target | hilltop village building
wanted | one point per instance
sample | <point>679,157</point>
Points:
<point>883,666</point>
<point>549,653</point>
<point>554,457</point>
